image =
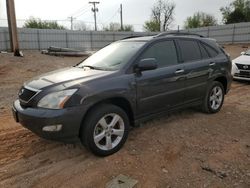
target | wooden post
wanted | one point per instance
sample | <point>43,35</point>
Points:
<point>10,5</point>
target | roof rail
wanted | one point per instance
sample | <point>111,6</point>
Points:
<point>130,37</point>
<point>178,33</point>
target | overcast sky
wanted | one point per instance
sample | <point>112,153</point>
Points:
<point>136,12</point>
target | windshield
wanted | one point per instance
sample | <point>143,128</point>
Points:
<point>247,52</point>
<point>113,56</point>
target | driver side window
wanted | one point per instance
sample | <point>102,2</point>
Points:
<point>164,52</point>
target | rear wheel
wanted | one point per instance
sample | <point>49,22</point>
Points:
<point>214,98</point>
<point>105,129</point>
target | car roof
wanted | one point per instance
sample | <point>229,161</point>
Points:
<point>147,39</point>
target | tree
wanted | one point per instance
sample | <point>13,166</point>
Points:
<point>162,16</point>
<point>81,26</point>
<point>152,26</point>
<point>117,27</point>
<point>128,28</point>
<point>200,19</point>
<point>237,11</point>
<point>39,24</point>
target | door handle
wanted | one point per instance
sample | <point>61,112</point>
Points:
<point>212,64</point>
<point>179,71</point>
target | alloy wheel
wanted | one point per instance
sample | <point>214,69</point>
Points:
<point>216,98</point>
<point>109,131</point>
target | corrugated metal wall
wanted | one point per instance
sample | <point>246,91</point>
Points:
<point>232,33</point>
<point>37,39</point>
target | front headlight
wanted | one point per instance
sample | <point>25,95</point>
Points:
<point>56,100</point>
<point>234,69</point>
<point>234,66</point>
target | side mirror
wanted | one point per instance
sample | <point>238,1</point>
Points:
<point>243,53</point>
<point>147,64</point>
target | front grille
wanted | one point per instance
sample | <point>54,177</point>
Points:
<point>243,74</point>
<point>25,94</point>
<point>243,67</point>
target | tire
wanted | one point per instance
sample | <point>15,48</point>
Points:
<point>213,102</point>
<point>105,129</point>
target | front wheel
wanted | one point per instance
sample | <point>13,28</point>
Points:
<point>105,129</point>
<point>214,98</point>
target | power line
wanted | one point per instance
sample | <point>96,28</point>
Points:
<point>80,10</point>
<point>116,12</point>
<point>82,13</point>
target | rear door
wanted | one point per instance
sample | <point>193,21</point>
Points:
<point>197,64</point>
<point>162,88</point>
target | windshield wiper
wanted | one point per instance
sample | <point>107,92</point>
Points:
<point>91,67</point>
<point>94,67</point>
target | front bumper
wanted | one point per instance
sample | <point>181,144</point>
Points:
<point>239,74</point>
<point>35,119</point>
<point>241,78</point>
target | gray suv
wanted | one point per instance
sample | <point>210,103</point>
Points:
<point>123,84</point>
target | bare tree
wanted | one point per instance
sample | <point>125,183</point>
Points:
<point>168,15</point>
<point>162,16</point>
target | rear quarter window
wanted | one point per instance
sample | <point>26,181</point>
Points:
<point>204,53</point>
<point>212,52</point>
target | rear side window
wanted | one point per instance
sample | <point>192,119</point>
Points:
<point>190,50</point>
<point>164,52</point>
<point>212,52</point>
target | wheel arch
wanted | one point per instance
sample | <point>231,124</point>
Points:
<point>121,102</point>
<point>223,81</point>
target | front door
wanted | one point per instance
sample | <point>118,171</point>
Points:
<point>162,88</point>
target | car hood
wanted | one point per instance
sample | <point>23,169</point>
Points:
<point>243,59</point>
<point>64,76</point>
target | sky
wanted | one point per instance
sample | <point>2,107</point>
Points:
<point>135,12</point>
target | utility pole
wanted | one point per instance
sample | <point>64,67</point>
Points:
<point>10,5</point>
<point>121,17</point>
<point>94,9</point>
<point>71,22</point>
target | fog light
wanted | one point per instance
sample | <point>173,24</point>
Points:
<point>52,128</point>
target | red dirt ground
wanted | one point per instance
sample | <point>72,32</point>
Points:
<point>183,149</point>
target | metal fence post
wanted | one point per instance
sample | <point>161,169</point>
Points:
<point>38,39</point>
<point>113,36</point>
<point>249,34</point>
<point>67,40</point>
<point>233,36</point>
<point>91,40</point>
<point>6,39</point>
